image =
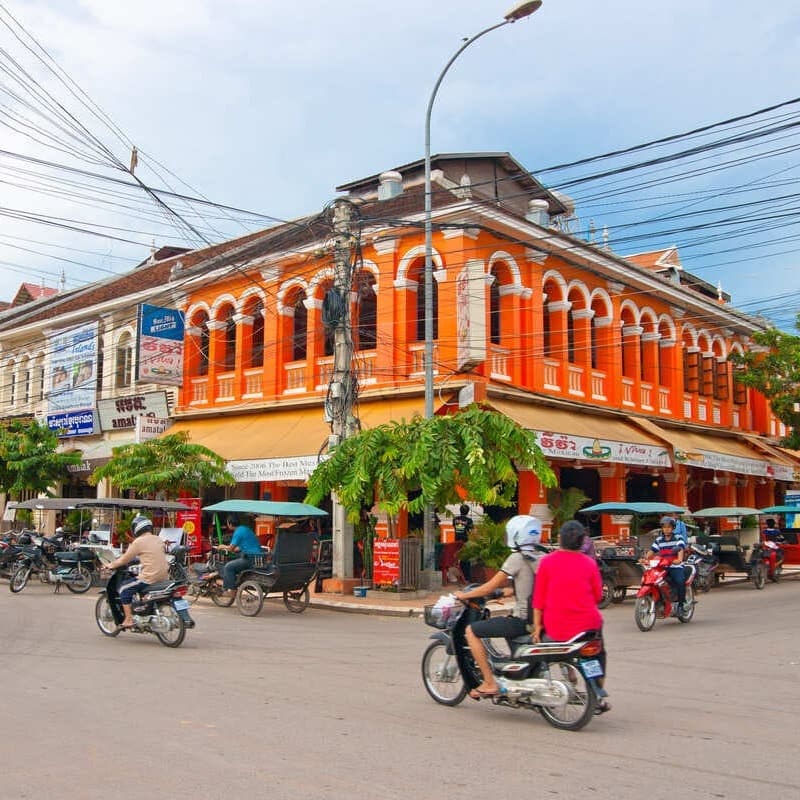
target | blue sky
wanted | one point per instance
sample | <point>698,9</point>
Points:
<point>269,105</point>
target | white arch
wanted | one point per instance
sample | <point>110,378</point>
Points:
<point>670,323</point>
<point>689,329</point>
<point>723,345</point>
<point>582,289</point>
<point>736,347</point>
<point>556,277</point>
<point>704,334</point>
<point>412,255</point>
<point>509,261</point>
<point>629,304</point>
<point>648,315</point>
<point>222,300</point>
<point>193,309</point>
<point>327,273</point>
<point>603,295</point>
<point>119,335</point>
<point>287,287</point>
<point>256,291</point>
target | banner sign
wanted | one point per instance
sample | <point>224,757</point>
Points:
<point>273,469</point>
<point>159,351</point>
<point>722,462</point>
<point>123,412</point>
<point>386,561</point>
<point>72,380</point>
<point>561,445</point>
<point>189,521</point>
<point>471,315</point>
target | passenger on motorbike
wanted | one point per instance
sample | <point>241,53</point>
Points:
<point>667,545</point>
<point>149,549</point>
<point>525,532</point>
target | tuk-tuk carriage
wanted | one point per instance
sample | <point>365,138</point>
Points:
<point>290,560</point>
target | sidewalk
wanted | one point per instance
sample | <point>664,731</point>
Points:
<point>386,603</point>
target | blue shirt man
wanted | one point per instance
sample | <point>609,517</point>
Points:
<point>667,544</point>
<point>246,541</point>
<point>243,542</point>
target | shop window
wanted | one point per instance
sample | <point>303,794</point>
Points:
<point>123,371</point>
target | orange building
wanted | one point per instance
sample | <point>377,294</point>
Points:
<point>619,363</point>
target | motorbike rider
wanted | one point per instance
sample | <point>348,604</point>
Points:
<point>246,544</point>
<point>771,533</point>
<point>668,545</point>
<point>149,549</point>
<point>519,568</point>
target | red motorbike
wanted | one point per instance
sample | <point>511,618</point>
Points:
<point>770,555</point>
<point>655,598</point>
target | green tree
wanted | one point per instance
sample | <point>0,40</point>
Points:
<point>165,465</point>
<point>476,452</point>
<point>564,504</point>
<point>29,460</point>
<point>773,369</point>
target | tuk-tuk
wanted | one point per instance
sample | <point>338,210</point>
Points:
<point>790,544</point>
<point>291,555</point>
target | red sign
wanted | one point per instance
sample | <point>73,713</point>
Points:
<point>386,561</point>
<point>190,522</point>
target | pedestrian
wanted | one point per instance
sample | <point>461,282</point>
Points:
<point>463,526</point>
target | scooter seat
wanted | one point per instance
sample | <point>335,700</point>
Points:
<point>159,586</point>
<point>73,556</point>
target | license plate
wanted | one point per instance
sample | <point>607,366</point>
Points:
<point>180,605</point>
<point>592,668</point>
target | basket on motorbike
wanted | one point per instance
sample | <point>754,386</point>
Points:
<point>442,617</point>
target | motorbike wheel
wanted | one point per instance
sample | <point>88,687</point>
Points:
<point>105,618</point>
<point>620,593</point>
<point>441,675</point>
<point>249,599</point>
<point>688,606</point>
<point>758,574</point>
<point>644,613</point>
<point>219,597</point>
<point>297,602</point>
<point>581,701</point>
<point>177,627</point>
<point>608,594</point>
<point>83,581</point>
<point>703,582</point>
<point>19,578</point>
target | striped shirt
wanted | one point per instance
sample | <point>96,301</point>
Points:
<point>667,547</point>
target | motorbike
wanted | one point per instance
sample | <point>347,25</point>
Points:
<point>70,568</point>
<point>770,555</point>
<point>200,579</point>
<point>705,562</point>
<point>162,610</point>
<point>655,598</point>
<point>559,679</point>
<point>9,552</point>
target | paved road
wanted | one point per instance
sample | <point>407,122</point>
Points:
<point>330,705</point>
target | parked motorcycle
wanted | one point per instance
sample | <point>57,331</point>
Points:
<point>556,678</point>
<point>655,598</point>
<point>9,552</point>
<point>201,579</point>
<point>705,562</point>
<point>39,555</point>
<point>162,610</point>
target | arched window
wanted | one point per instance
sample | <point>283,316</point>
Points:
<point>229,342</point>
<point>494,307</point>
<point>123,365</point>
<point>256,311</point>
<point>417,273</point>
<point>329,330</point>
<point>203,344</point>
<point>299,327</point>
<point>366,311</point>
<point>630,344</point>
<point>648,351</point>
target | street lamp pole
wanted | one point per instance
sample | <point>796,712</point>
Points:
<point>519,11</point>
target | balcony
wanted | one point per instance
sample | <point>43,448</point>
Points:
<point>598,380</point>
<point>199,393</point>
<point>627,392</point>
<point>498,363</point>
<point>417,352</point>
<point>575,380</point>
<point>552,379</point>
<point>366,361</point>
<point>296,377</point>
<point>664,400</point>
<point>253,382</point>
<point>225,385</point>
<point>646,396</point>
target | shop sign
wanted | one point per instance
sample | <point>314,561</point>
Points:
<point>150,428</point>
<point>471,315</point>
<point>722,462</point>
<point>581,448</point>
<point>386,562</point>
<point>159,351</point>
<point>792,498</point>
<point>273,469</point>
<point>122,412</point>
<point>72,423</point>
<point>86,466</point>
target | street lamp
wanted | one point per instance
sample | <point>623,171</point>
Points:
<point>518,11</point>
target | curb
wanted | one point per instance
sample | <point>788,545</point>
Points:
<point>351,608</point>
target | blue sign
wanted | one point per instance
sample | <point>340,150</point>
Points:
<point>72,423</point>
<point>160,346</point>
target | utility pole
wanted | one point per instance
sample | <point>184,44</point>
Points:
<point>342,386</point>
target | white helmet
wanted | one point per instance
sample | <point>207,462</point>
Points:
<point>523,532</point>
<point>141,524</point>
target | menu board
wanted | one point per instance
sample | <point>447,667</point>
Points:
<point>386,562</point>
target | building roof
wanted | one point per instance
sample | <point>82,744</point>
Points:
<point>31,291</point>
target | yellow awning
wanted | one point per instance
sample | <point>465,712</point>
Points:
<point>579,435</point>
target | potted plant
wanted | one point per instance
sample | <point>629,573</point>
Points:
<point>486,548</point>
<point>564,504</point>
